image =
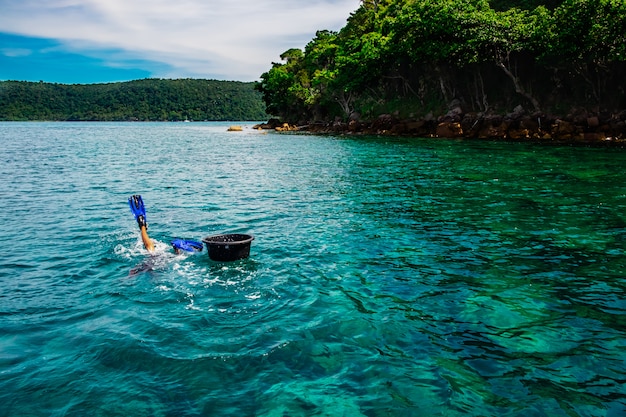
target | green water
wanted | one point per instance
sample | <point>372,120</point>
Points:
<point>388,276</point>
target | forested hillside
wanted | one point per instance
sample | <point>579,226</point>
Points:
<point>412,58</point>
<point>142,100</point>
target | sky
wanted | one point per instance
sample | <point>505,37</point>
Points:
<point>98,41</point>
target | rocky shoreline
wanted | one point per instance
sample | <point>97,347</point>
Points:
<point>577,128</point>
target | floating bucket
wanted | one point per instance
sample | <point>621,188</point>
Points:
<point>228,247</point>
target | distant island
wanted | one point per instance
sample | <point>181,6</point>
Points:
<point>545,70</point>
<point>140,100</point>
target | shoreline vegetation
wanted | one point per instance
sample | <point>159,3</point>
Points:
<point>548,71</point>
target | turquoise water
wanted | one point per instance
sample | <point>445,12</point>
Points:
<point>388,277</point>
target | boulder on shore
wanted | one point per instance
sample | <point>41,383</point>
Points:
<point>270,125</point>
<point>286,127</point>
<point>449,130</point>
<point>594,129</point>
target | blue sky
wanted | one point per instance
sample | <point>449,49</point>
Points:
<point>96,41</point>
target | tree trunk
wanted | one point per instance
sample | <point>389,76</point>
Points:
<point>518,86</point>
<point>479,86</point>
<point>345,101</point>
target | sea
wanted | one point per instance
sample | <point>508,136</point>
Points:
<point>388,276</point>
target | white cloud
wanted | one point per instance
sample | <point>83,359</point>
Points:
<point>223,39</point>
<point>15,52</point>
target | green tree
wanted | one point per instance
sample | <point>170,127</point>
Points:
<point>395,55</point>
<point>588,37</point>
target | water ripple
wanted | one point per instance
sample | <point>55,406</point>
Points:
<point>387,276</point>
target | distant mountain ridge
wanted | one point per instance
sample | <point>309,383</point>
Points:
<point>139,100</point>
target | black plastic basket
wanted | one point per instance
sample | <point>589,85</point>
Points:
<point>229,247</point>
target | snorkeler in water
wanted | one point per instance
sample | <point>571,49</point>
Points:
<point>139,211</point>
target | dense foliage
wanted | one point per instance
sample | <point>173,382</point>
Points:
<point>523,4</point>
<point>412,57</point>
<point>145,100</point>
